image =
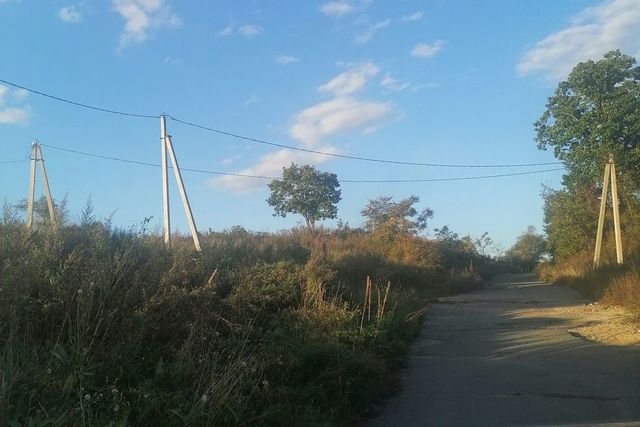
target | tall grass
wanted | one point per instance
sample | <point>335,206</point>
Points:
<point>101,326</point>
<point>611,284</point>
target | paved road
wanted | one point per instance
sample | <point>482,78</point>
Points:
<point>503,356</point>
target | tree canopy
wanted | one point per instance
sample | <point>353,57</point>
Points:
<point>594,113</point>
<point>528,249</point>
<point>395,218</point>
<point>306,191</point>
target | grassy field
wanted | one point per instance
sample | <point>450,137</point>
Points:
<point>101,326</point>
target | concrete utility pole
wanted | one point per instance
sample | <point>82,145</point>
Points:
<point>166,224</point>
<point>36,156</point>
<point>609,174</point>
<point>167,146</point>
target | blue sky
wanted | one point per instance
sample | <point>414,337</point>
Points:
<point>443,81</point>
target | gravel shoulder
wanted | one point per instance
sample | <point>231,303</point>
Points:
<point>520,352</point>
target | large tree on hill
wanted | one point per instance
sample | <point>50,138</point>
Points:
<point>594,113</point>
<point>306,191</point>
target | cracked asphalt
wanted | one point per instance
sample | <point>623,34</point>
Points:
<point>506,356</point>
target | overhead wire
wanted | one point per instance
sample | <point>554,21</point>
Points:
<point>360,158</point>
<point>13,161</point>
<point>79,104</point>
<point>119,159</point>
<point>353,181</point>
<point>275,144</point>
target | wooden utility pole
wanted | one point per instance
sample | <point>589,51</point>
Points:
<point>167,148</point>
<point>609,174</point>
<point>36,157</point>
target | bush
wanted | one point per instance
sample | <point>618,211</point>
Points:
<point>268,288</point>
<point>100,326</point>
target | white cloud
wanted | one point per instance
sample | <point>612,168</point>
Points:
<point>337,8</point>
<point>170,60</point>
<point>141,16</point>
<point>350,81</point>
<point>286,59</point>
<point>416,16</point>
<point>250,101</point>
<point>390,83</point>
<point>614,24</point>
<point>270,165</point>
<point>226,31</point>
<point>427,50</point>
<point>247,30</point>
<point>250,30</point>
<point>13,115</point>
<point>366,37</point>
<point>327,118</point>
<point>314,124</point>
<point>430,85</point>
<point>69,15</point>
<point>19,94</point>
<point>229,160</point>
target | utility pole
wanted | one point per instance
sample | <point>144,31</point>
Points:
<point>167,148</point>
<point>37,157</point>
<point>609,174</point>
<point>166,224</point>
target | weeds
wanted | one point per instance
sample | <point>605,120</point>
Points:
<point>100,326</point>
<point>611,284</point>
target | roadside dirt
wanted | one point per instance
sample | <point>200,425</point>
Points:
<point>605,325</point>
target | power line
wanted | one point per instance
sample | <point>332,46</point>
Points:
<point>351,181</point>
<point>463,178</point>
<point>13,161</point>
<point>136,162</point>
<point>360,158</point>
<point>79,104</point>
<point>275,144</point>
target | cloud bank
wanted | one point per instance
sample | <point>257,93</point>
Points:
<point>614,24</point>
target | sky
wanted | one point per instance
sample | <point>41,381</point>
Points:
<point>433,81</point>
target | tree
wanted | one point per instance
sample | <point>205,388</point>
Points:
<point>594,113</point>
<point>570,218</point>
<point>395,218</point>
<point>528,249</point>
<point>306,191</point>
<point>483,243</point>
<point>41,210</point>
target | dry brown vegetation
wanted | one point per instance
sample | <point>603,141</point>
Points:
<point>101,326</point>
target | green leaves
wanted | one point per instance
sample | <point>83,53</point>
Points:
<point>594,113</point>
<point>306,191</point>
<point>396,218</point>
<point>528,249</point>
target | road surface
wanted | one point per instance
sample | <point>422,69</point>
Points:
<point>513,354</point>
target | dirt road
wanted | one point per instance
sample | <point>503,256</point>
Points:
<point>520,352</point>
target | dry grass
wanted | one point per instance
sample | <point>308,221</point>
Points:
<point>611,284</point>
